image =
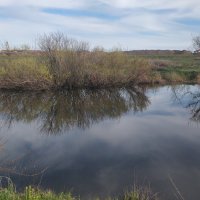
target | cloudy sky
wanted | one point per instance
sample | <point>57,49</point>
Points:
<point>129,24</point>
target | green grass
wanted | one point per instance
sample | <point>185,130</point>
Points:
<point>175,67</point>
<point>30,193</point>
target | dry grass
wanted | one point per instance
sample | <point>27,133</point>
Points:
<point>161,63</point>
<point>174,77</point>
<point>156,78</point>
<point>198,79</point>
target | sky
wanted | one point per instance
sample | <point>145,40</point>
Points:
<point>128,24</point>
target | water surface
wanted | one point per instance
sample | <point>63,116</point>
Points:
<point>100,143</point>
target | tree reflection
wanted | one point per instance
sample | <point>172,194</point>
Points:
<point>59,111</point>
<point>189,98</point>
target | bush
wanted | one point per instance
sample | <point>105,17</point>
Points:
<point>72,64</point>
<point>63,57</point>
<point>23,73</point>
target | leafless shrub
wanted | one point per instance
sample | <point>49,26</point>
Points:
<point>196,42</point>
<point>64,57</point>
<point>5,46</point>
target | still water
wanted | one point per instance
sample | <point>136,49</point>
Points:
<point>101,143</point>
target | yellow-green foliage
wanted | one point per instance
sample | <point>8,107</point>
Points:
<point>156,77</point>
<point>34,194</point>
<point>23,72</point>
<point>174,77</point>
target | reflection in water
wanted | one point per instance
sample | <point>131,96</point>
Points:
<point>189,99</point>
<point>108,157</point>
<point>63,110</point>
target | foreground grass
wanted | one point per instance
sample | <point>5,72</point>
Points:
<point>35,194</point>
<point>32,194</point>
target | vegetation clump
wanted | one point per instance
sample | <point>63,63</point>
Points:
<point>72,64</point>
<point>23,73</point>
<point>30,193</point>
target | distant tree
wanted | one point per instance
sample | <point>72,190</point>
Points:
<point>25,47</point>
<point>5,46</point>
<point>196,42</point>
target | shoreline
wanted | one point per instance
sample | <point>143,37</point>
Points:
<point>58,67</point>
<point>105,87</point>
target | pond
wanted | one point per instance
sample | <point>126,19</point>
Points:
<point>103,142</point>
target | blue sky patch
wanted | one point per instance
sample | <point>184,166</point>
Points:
<point>80,13</point>
<point>189,22</point>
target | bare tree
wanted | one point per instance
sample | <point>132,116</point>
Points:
<point>5,46</point>
<point>64,56</point>
<point>196,42</point>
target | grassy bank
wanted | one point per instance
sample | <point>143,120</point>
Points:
<point>68,63</point>
<point>173,67</point>
<point>35,194</point>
